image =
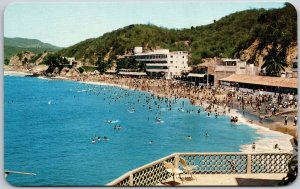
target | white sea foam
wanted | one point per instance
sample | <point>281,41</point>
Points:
<point>106,84</point>
<point>43,77</point>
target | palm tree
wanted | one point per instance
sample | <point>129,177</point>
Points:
<point>274,62</point>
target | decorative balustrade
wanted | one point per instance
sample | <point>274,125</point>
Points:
<point>147,175</point>
<point>206,163</point>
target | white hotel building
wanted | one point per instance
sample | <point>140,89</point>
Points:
<point>162,62</point>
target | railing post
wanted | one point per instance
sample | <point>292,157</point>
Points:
<point>131,179</point>
<point>176,161</point>
<point>248,163</point>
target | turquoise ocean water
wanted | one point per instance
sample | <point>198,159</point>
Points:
<point>49,126</point>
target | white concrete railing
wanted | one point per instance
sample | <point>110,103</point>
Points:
<point>206,163</point>
<point>156,70</point>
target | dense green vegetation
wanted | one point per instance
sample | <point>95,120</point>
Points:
<point>223,38</point>
<point>37,56</point>
<point>13,46</point>
<point>54,60</point>
<point>87,68</point>
<point>274,62</point>
<point>128,63</point>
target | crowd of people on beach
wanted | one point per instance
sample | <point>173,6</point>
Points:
<point>215,100</point>
<point>218,100</point>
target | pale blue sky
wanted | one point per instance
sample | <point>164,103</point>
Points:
<point>64,24</point>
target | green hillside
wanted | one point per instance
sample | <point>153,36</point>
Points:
<point>224,38</point>
<point>13,46</point>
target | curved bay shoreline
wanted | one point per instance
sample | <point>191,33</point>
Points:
<point>271,134</point>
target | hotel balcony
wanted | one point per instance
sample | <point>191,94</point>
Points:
<point>214,169</point>
<point>151,59</point>
<point>158,64</point>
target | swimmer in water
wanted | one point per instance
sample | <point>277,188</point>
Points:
<point>206,134</point>
<point>189,137</point>
<point>150,142</point>
<point>253,146</point>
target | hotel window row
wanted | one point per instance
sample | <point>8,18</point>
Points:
<point>151,56</point>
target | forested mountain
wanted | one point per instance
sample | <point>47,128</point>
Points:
<point>13,46</point>
<point>227,37</point>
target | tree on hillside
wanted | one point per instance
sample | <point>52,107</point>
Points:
<point>274,62</point>
<point>103,66</point>
<point>25,61</point>
<point>123,64</point>
<point>228,36</point>
<point>6,61</point>
<point>131,63</point>
<point>53,60</point>
<point>141,66</point>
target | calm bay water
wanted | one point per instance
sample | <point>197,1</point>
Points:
<point>49,125</point>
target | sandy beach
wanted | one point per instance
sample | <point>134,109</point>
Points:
<point>16,73</point>
<point>271,133</point>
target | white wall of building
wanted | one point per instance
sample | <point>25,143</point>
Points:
<point>162,60</point>
<point>138,50</point>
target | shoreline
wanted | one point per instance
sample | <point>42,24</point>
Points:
<point>268,138</point>
<point>16,73</point>
<point>265,143</point>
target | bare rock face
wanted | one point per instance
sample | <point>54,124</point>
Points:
<point>73,73</point>
<point>64,71</point>
<point>55,71</point>
<point>21,58</point>
<point>248,53</point>
<point>254,55</point>
<point>69,72</point>
<point>41,58</point>
<point>40,68</point>
<point>291,54</point>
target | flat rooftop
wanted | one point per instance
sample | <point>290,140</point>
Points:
<point>263,80</point>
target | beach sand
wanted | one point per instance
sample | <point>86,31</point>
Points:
<point>16,73</point>
<point>268,140</point>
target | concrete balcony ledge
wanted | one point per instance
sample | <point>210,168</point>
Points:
<point>157,70</point>
<point>259,179</point>
<point>218,169</point>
